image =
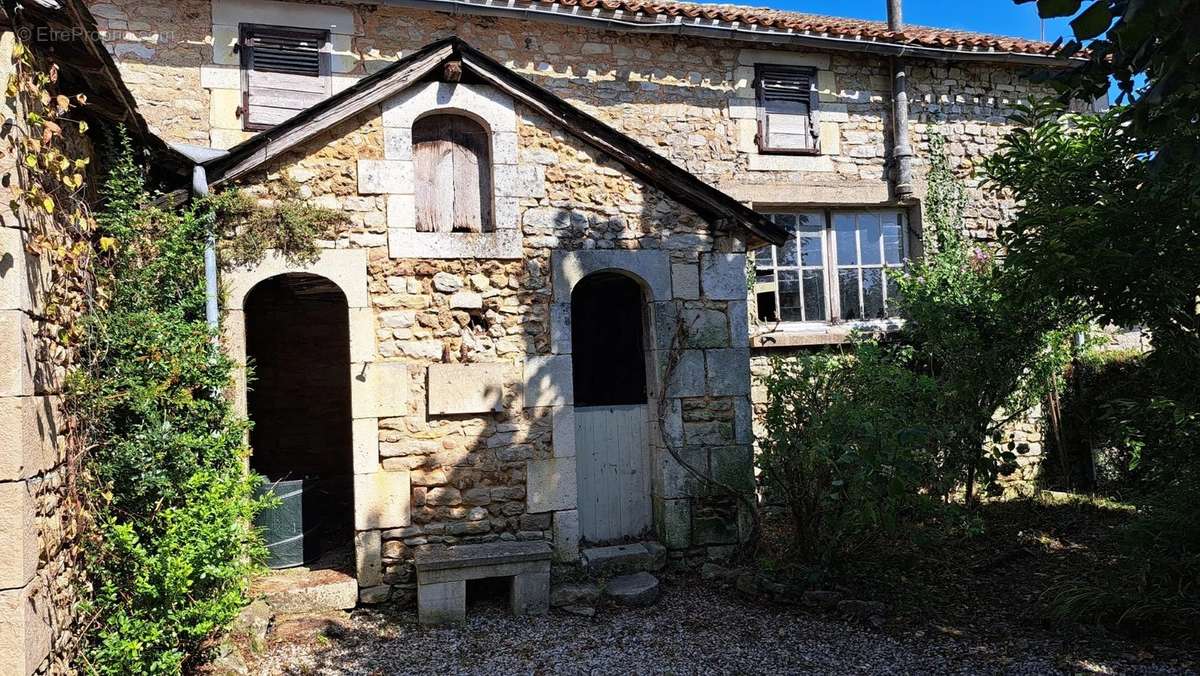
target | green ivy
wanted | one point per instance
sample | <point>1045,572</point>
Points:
<point>171,551</point>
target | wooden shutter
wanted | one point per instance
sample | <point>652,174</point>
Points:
<point>284,71</point>
<point>453,174</point>
<point>787,105</point>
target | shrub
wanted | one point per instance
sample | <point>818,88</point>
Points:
<point>990,347</point>
<point>171,549</point>
<point>844,446</point>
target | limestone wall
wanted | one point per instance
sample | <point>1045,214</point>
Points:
<point>465,411</point>
<point>688,98</point>
<point>37,516</point>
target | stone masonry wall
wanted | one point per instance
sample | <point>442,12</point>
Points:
<point>38,523</point>
<point>688,98</point>
<point>501,466</point>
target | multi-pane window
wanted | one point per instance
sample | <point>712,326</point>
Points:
<point>284,71</point>
<point>835,264</point>
<point>787,109</point>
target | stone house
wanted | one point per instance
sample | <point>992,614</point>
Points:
<point>541,195</point>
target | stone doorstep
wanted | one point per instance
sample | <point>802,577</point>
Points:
<point>428,558</point>
<point>634,557</point>
<point>300,590</point>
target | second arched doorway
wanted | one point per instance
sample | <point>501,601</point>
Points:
<point>609,329</point>
<point>298,346</point>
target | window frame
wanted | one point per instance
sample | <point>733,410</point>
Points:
<point>762,139</point>
<point>246,57</point>
<point>830,268</point>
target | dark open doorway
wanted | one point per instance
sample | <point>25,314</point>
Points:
<point>606,340</point>
<point>298,345</point>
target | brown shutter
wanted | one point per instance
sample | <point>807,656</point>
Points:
<point>284,71</point>
<point>453,173</point>
<point>786,109</point>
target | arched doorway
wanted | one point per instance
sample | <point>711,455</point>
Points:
<point>608,338</point>
<point>298,346</point>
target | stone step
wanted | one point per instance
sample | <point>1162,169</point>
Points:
<point>631,558</point>
<point>637,589</point>
<point>301,590</point>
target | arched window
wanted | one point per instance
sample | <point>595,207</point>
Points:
<point>453,159</point>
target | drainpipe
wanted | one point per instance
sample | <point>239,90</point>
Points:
<point>211,315</point>
<point>902,152</point>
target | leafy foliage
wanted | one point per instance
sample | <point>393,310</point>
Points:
<point>171,550</point>
<point>287,224</point>
<point>1099,227</point>
<point>843,447</point>
<point>989,348</point>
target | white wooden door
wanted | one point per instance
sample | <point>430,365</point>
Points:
<point>613,467</point>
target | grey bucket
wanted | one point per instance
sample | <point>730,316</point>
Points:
<point>290,531</point>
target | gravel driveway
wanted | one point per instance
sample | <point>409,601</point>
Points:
<point>693,629</point>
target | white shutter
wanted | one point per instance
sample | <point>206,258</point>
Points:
<point>786,109</point>
<point>285,71</point>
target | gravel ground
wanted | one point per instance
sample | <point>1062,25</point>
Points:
<point>692,629</point>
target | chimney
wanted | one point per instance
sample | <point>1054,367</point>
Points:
<point>895,16</point>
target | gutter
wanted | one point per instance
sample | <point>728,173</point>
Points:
<point>198,155</point>
<point>211,311</point>
<point>713,29</point>
<point>902,152</point>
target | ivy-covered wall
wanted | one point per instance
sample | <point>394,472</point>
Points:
<point>43,274</point>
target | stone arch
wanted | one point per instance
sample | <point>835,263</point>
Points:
<point>298,336</point>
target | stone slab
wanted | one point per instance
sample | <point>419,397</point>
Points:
<point>25,636</point>
<point>550,485</point>
<point>368,562</point>
<point>530,593</point>
<point>652,267</point>
<point>728,371</point>
<point>549,381</point>
<point>616,559</point>
<point>501,244</point>
<point>304,590</point>
<point>19,535</point>
<point>483,572</point>
<point>381,500</point>
<point>442,602</point>
<point>566,536</point>
<point>685,281</point>
<point>379,389</point>
<point>467,388</point>
<point>441,557</point>
<point>723,276</point>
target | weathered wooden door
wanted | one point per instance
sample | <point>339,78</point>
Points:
<point>613,468</point>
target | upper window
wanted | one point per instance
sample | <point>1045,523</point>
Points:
<point>284,71</point>
<point>453,165</point>
<point>836,266</point>
<point>787,109</point>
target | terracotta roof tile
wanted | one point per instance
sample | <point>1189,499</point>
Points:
<point>855,29</point>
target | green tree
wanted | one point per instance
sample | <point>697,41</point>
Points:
<point>990,348</point>
<point>171,551</point>
<point>1111,203</point>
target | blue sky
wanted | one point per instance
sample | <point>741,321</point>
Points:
<point>1002,17</point>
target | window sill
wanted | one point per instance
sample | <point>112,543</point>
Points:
<point>800,334</point>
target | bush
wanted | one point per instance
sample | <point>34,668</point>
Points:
<point>171,549</point>
<point>844,447</point>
